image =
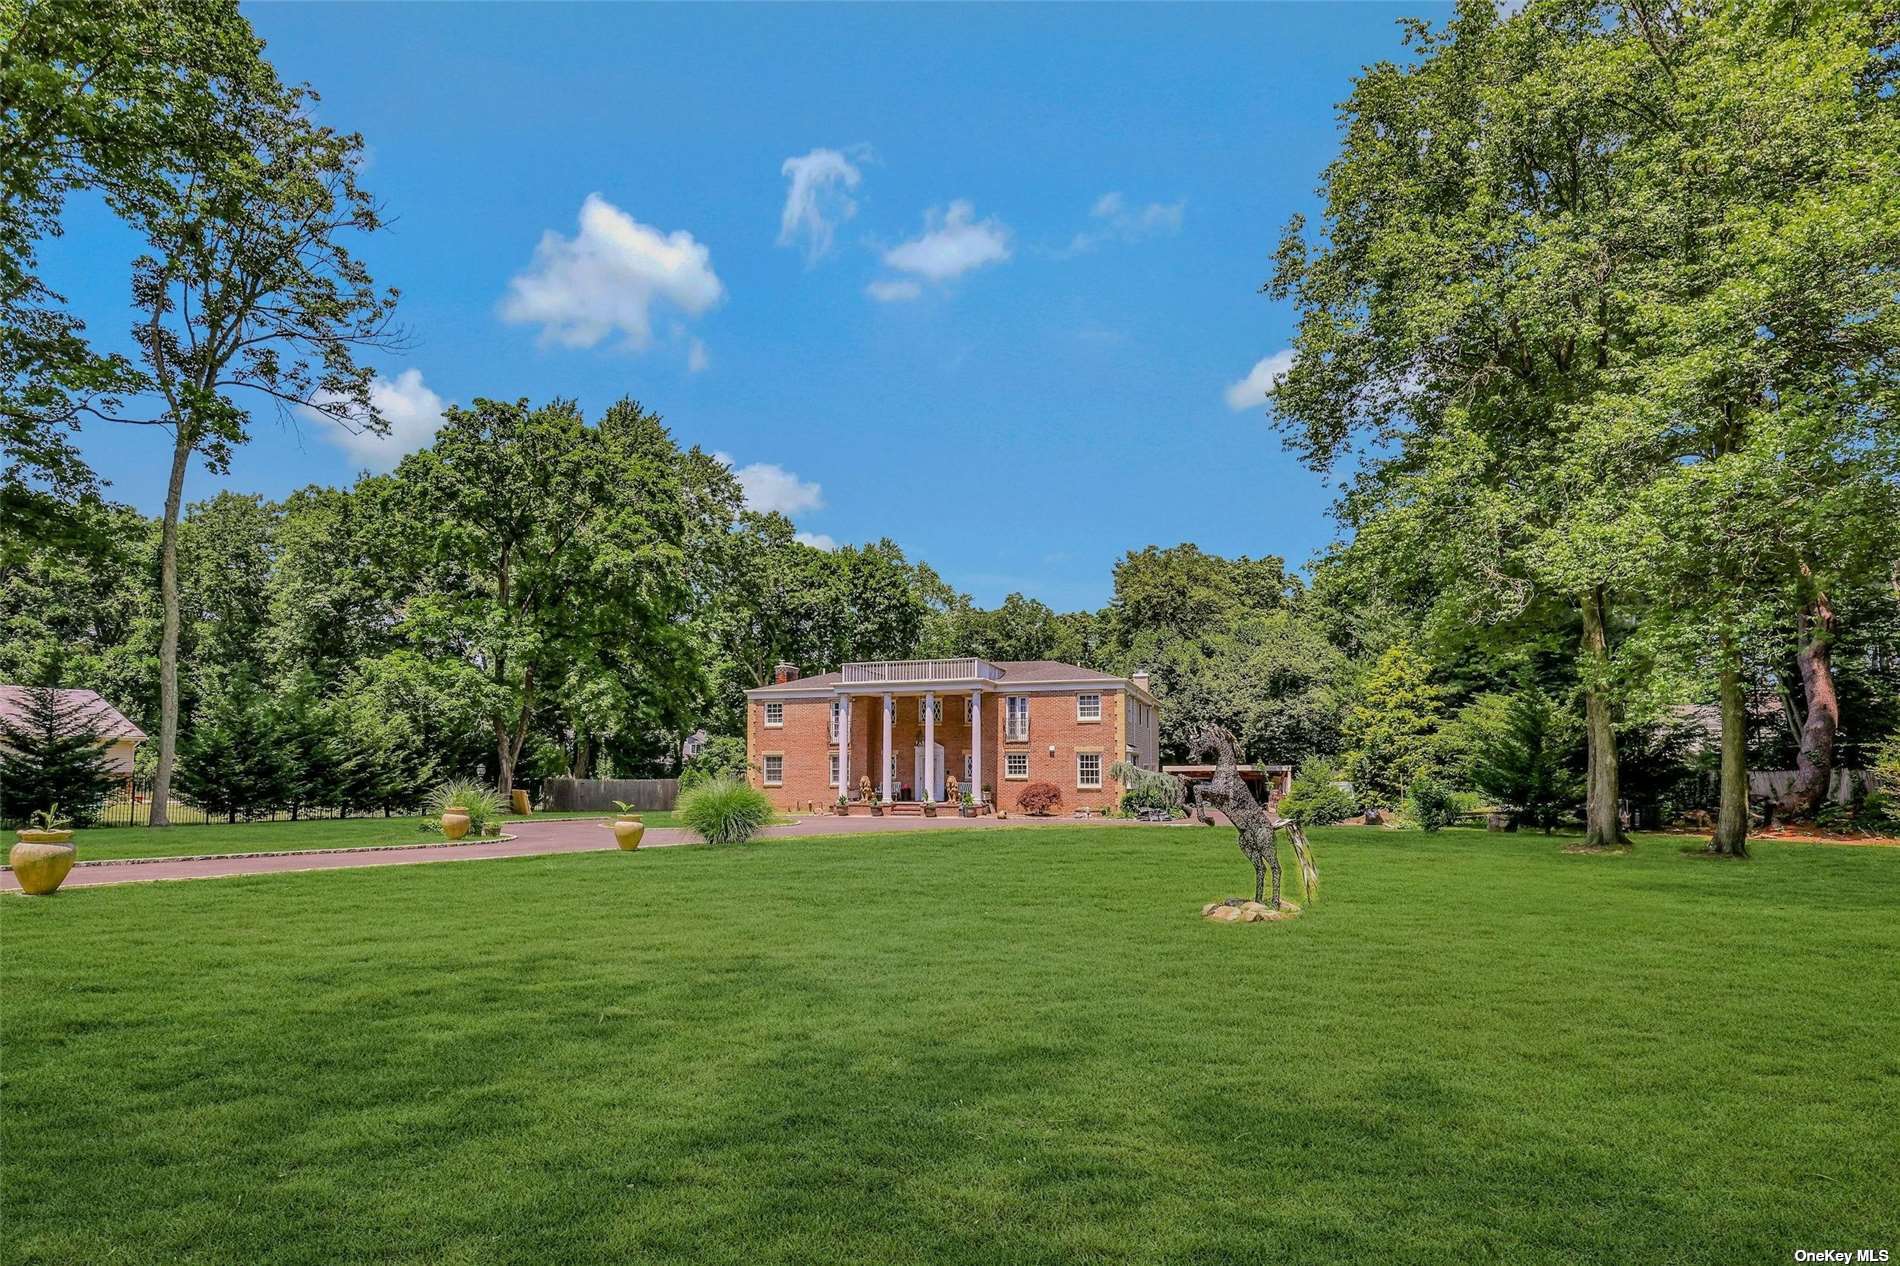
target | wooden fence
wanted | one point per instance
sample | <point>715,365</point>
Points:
<point>587,795</point>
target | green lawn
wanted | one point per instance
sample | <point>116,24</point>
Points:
<point>970,1046</point>
<point>105,843</point>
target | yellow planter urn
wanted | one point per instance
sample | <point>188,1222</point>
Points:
<point>42,860</point>
<point>627,832</point>
<point>454,821</point>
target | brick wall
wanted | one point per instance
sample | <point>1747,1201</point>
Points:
<point>804,742</point>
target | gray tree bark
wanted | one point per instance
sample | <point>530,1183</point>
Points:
<point>160,814</point>
<point>1603,826</point>
<point>1731,817</point>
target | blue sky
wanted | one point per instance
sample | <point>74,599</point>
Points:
<point>994,306</point>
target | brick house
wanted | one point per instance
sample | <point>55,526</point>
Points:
<point>912,724</point>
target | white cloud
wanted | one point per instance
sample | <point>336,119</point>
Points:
<point>414,414</point>
<point>769,487</point>
<point>609,277</point>
<point>817,200</point>
<point>1252,391</point>
<point>893,291</point>
<point>817,540</point>
<point>953,242</point>
<point>1116,221</point>
<point>698,359</point>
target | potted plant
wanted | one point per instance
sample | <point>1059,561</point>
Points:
<point>455,821</point>
<point>628,828</point>
<point>45,854</point>
<point>930,806</point>
<point>989,799</point>
<point>966,808</point>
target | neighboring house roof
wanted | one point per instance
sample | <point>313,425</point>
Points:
<point>106,720</point>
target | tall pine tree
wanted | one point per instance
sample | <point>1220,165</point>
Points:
<point>53,753</point>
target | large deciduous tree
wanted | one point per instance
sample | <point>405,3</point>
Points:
<point>248,292</point>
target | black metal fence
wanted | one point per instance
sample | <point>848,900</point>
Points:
<point>130,804</point>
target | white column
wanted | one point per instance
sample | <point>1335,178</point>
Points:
<point>929,789</point>
<point>976,745</point>
<point>887,749</point>
<point>844,747</point>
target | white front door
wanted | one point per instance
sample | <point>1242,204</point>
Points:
<point>936,783</point>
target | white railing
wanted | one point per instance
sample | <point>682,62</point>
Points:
<point>891,672</point>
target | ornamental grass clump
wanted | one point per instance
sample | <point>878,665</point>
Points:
<point>724,811</point>
<point>482,803</point>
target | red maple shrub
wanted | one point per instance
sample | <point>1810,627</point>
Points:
<point>1040,798</point>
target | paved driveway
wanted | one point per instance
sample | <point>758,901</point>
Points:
<point>532,839</point>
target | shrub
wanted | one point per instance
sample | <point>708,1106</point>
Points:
<point>1431,804</point>
<point>482,802</point>
<point>1146,789</point>
<point>1316,798</point>
<point>722,757</point>
<point>1887,767</point>
<point>1040,798</point>
<point>724,811</point>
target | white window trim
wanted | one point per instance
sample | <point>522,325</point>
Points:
<point>765,768</point>
<point>1010,704</point>
<point>1088,786</point>
<point>834,771</point>
<point>1009,759</point>
<point>770,724</point>
<point>1082,717</point>
<point>936,708</point>
<point>837,717</point>
<point>969,768</point>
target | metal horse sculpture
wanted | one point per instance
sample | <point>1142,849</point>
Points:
<point>1258,825</point>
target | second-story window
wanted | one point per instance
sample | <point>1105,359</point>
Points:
<point>1016,718</point>
<point>1088,707</point>
<point>775,714</point>
<point>837,717</point>
<point>935,706</point>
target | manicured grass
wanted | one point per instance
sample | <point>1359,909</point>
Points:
<point>106,843</point>
<point>968,1046</point>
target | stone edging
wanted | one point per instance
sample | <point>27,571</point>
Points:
<point>290,852</point>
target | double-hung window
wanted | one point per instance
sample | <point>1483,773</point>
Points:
<point>775,715</point>
<point>1088,707</point>
<point>834,770</point>
<point>1016,718</point>
<point>1016,765</point>
<point>1088,771</point>
<point>773,766</point>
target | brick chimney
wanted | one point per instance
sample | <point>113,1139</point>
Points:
<point>1140,679</point>
<point>784,673</point>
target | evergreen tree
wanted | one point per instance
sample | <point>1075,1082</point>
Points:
<point>233,762</point>
<point>53,754</point>
<point>1525,763</point>
<point>306,747</point>
<point>1393,727</point>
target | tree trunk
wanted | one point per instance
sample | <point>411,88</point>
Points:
<point>1731,817</point>
<point>160,814</point>
<point>1603,827</point>
<point>1814,764</point>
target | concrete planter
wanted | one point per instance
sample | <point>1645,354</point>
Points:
<point>42,860</point>
<point>966,811</point>
<point>930,810</point>
<point>627,832</point>
<point>454,822</point>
